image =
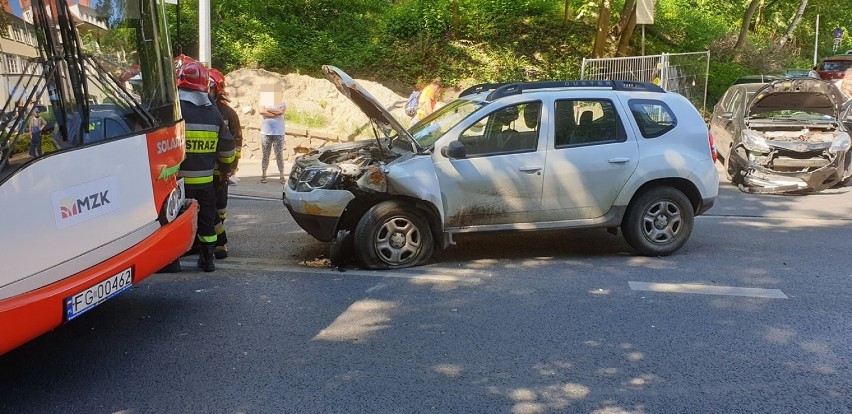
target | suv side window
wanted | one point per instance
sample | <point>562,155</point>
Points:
<point>510,129</point>
<point>653,117</point>
<point>585,122</point>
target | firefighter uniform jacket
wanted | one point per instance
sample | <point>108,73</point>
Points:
<point>209,143</point>
<point>232,121</point>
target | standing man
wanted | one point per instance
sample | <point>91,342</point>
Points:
<point>209,147</point>
<point>272,109</point>
<point>232,122</point>
<point>37,124</point>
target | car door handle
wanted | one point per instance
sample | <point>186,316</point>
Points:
<point>619,160</point>
<point>530,169</point>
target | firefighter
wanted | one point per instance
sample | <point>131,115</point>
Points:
<point>209,153</point>
<point>232,121</point>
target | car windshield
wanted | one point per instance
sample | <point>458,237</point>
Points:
<point>429,129</point>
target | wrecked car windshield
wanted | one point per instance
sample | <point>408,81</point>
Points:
<point>428,130</point>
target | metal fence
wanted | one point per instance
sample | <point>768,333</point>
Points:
<point>683,73</point>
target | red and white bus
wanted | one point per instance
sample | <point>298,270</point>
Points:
<point>101,207</point>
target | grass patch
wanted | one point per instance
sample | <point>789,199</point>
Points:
<point>306,119</point>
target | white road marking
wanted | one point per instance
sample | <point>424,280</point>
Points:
<point>422,273</point>
<point>707,290</point>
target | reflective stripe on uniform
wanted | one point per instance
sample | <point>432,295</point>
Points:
<point>202,127</point>
<point>207,239</point>
<point>201,142</point>
<point>198,180</point>
<point>191,173</point>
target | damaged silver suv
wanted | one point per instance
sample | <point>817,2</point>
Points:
<point>509,157</point>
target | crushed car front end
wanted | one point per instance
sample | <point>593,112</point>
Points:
<point>792,161</point>
<point>322,184</point>
<point>792,139</point>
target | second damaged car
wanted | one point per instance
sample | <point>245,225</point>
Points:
<point>783,137</point>
<point>509,157</point>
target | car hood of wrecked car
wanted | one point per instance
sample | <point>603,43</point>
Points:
<point>811,95</point>
<point>367,104</point>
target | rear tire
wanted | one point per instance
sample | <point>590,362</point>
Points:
<point>393,234</point>
<point>658,222</point>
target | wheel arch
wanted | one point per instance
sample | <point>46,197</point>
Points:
<point>685,186</point>
<point>360,205</point>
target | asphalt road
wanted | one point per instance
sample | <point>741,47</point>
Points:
<point>529,323</point>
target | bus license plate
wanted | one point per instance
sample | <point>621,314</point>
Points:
<point>80,303</point>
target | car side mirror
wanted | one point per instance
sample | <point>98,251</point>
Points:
<point>454,150</point>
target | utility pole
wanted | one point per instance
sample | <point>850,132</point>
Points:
<point>204,32</point>
<point>816,40</point>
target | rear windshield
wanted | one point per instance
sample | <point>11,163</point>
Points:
<point>837,65</point>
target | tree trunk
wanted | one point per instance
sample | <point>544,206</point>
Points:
<point>746,21</point>
<point>627,13</point>
<point>455,19</point>
<point>567,13</point>
<point>603,28</point>
<point>795,23</point>
<point>626,35</point>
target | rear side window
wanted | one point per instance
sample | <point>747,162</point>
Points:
<point>654,118</point>
<point>587,122</point>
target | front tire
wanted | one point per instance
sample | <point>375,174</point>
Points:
<point>393,234</point>
<point>658,222</point>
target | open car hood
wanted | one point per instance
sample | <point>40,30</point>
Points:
<point>811,95</point>
<point>367,104</point>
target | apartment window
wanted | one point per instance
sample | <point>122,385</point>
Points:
<point>18,33</point>
<point>12,64</point>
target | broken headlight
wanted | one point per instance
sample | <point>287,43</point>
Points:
<point>754,142</point>
<point>314,178</point>
<point>840,144</point>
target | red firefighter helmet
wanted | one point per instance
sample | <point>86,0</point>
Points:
<point>217,84</point>
<point>181,59</point>
<point>192,75</point>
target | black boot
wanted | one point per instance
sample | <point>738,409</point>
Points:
<point>221,252</point>
<point>206,257</point>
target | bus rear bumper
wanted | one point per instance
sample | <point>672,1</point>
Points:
<point>31,314</point>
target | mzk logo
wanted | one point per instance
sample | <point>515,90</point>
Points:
<point>70,207</point>
<point>87,201</point>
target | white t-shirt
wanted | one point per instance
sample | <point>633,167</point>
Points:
<point>273,126</point>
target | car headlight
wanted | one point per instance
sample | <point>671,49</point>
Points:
<point>314,178</point>
<point>754,142</point>
<point>840,144</point>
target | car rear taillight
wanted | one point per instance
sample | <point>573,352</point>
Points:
<point>712,145</point>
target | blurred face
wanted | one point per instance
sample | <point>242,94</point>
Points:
<point>271,94</point>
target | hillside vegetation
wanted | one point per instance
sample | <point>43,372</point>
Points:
<point>471,41</point>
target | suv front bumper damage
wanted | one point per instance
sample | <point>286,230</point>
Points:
<point>318,211</point>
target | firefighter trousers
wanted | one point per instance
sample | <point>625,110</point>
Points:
<point>206,197</point>
<point>221,188</point>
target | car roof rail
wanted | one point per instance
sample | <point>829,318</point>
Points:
<point>482,87</point>
<point>618,85</point>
